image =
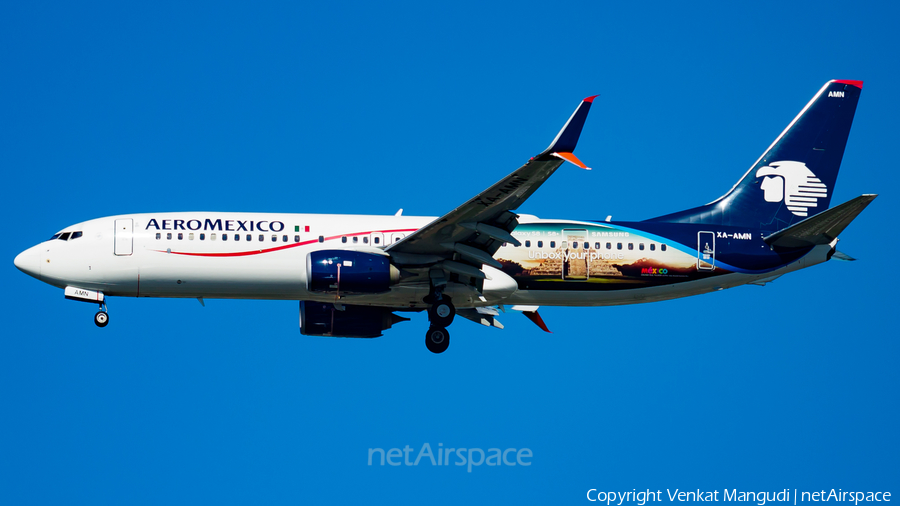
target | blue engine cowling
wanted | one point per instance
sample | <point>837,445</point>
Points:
<point>322,319</point>
<point>360,272</point>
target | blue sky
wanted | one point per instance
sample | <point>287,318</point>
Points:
<point>370,107</point>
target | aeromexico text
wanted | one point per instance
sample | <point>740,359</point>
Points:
<point>218,224</point>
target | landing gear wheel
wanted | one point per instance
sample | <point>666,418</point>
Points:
<point>437,339</point>
<point>101,318</point>
<point>441,313</point>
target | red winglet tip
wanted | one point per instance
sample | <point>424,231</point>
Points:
<point>591,99</point>
<point>858,84</point>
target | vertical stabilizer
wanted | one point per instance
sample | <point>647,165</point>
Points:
<point>795,177</point>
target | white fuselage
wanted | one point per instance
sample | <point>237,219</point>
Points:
<point>264,256</point>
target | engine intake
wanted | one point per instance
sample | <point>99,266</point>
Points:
<point>350,272</point>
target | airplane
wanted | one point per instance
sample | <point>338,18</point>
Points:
<point>352,274</point>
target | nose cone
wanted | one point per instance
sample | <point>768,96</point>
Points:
<point>29,262</point>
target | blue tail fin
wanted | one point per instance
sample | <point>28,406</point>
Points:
<point>795,177</point>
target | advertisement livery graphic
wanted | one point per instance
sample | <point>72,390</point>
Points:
<point>554,256</point>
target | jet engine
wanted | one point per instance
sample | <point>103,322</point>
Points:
<point>350,272</point>
<point>323,319</point>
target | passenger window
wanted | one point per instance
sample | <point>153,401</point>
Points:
<point>65,236</point>
<point>284,238</point>
<point>296,238</point>
<point>631,246</point>
<point>190,236</point>
<point>180,236</point>
<point>75,235</point>
<point>212,237</point>
<point>564,244</point>
<point>202,237</point>
<point>596,245</point>
<point>168,236</point>
<point>587,245</point>
<point>321,238</point>
<point>365,240</point>
<point>274,238</point>
<point>641,246</point>
<point>237,237</point>
<point>540,244</point>
<point>609,245</point>
<point>262,238</point>
<point>377,240</point>
<point>552,244</point>
<point>662,247</point>
<point>355,239</point>
<point>224,237</point>
<point>527,244</point>
<point>618,245</point>
<point>344,239</point>
<point>158,235</point>
<point>652,247</point>
<point>249,237</point>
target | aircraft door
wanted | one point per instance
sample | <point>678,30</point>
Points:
<point>377,239</point>
<point>124,237</point>
<point>706,251</point>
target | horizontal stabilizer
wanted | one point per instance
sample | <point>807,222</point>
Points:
<point>842,256</point>
<point>822,228</point>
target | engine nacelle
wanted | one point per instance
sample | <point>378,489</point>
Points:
<point>323,319</point>
<point>350,272</point>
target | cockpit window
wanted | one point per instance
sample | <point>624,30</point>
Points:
<point>75,235</point>
<point>64,236</point>
<point>55,237</point>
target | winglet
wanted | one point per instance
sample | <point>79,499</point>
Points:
<point>536,318</point>
<point>567,138</point>
<point>571,158</point>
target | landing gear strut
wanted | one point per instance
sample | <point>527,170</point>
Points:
<point>437,339</point>
<point>440,314</point>
<point>102,317</point>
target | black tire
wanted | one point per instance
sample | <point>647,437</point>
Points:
<point>437,339</point>
<point>101,318</point>
<point>441,313</point>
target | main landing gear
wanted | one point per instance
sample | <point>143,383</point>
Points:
<point>102,317</point>
<point>440,314</point>
<point>437,339</point>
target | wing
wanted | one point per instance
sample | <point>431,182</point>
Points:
<point>467,237</point>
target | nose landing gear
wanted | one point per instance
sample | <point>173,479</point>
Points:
<point>102,317</point>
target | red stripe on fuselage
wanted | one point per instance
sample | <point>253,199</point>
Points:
<point>286,246</point>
